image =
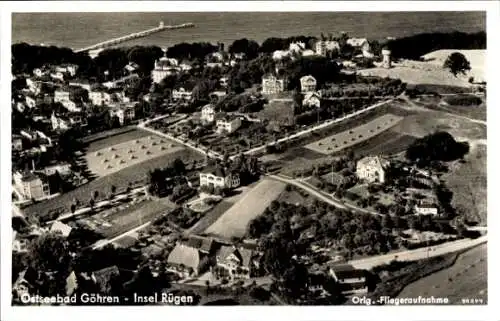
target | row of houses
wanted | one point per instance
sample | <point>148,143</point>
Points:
<point>225,123</point>
<point>275,85</point>
<point>322,48</point>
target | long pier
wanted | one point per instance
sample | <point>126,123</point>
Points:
<point>135,35</point>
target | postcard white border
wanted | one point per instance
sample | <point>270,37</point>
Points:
<point>251,313</point>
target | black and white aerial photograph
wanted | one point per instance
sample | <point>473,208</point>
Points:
<point>300,158</point>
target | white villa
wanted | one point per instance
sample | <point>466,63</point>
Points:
<point>372,169</point>
<point>219,177</point>
<point>325,46</point>
<point>308,84</point>
<point>227,124</point>
<point>272,85</point>
<point>312,99</point>
<point>208,114</point>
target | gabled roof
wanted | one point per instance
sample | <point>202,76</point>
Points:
<point>346,271</point>
<point>307,78</point>
<point>104,276</point>
<point>218,171</point>
<point>203,244</point>
<point>29,275</point>
<point>243,254</point>
<point>356,42</point>
<point>64,229</point>
<point>310,95</point>
<point>185,255</point>
<point>373,161</point>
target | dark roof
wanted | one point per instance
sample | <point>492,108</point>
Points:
<point>203,244</point>
<point>104,276</point>
<point>244,255</point>
<point>217,171</point>
<point>346,271</point>
<point>29,275</point>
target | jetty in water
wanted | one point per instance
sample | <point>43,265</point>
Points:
<point>135,35</point>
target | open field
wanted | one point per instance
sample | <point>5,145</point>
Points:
<point>112,137</point>
<point>112,159</point>
<point>296,196</point>
<point>210,217</point>
<point>339,141</point>
<point>120,179</point>
<point>426,122</point>
<point>467,278</point>
<point>417,72</point>
<point>468,182</point>
<point>476,58</point>
<point>235,220</point>
<point>476,112</point>
<point>277,111</point>
<point>387,143</point>
<point>121,220</point>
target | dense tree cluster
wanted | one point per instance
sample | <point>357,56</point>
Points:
<point>109,63</point>
<point>248,73</point>
<point>191,51</point>
<point>463,100</point>
<point>26,57</point>
<point>243,103</point>
<point>413,47</point>
<point>248,47</point>
<point>351,232</point>
<point>162,181</point>
<point>456,63</point>
<point>440,146</point>
<point>375,86</point>
<point>321,68</point>
<point>272,44</point>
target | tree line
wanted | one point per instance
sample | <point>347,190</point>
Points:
<point>413,47</point>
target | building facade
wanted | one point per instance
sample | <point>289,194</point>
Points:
<point>308,84</point>
<point>181,94</point>
<point>208,114</point>
<point>372,169</point>
<point>312,100</point>
<point>323,47</point>
<point>272,85</point>
<point>218,177</point>
<point>234,263</point>
<point>227,124</point>
<point>31,185</point>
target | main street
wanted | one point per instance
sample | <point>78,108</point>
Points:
<point>418,254</point>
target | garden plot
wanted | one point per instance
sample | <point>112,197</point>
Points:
<point>233,223</point>
<point>112,159</point>
<point>347,138</point>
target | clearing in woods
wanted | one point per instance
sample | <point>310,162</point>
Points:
<point>233,223</point>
